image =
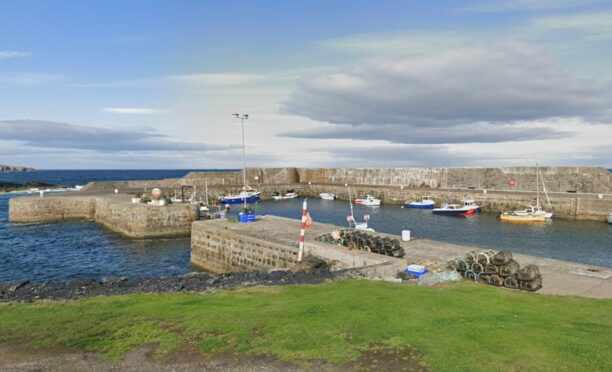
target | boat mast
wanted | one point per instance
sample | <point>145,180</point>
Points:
<point>206,185</point>
<point>537,186</point>
<point>545,192</point>
<point>351,204</point>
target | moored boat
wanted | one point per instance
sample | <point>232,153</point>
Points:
<point>327,196</point>
<point>248,195</point>
<point>425,203</point>
<point>288,195</point>
<point>454,210</point>
<point>532,214</point>
<point>610,218</point>
<point>470,203</point>
<point>368,201</point>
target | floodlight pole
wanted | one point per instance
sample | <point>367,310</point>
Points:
<point>242,118</point>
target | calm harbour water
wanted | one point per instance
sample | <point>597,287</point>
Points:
<point>81,249</point>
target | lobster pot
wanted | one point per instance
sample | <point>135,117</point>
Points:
<point>529,273</point>
<point>496,280</point>
<point>510,269</point>
<point>491,269</point>
<point>452,265</point>
<point>531,285</point>
<point>502,258</point>
<point>477,268</point>
<point>462,265</point>
<point>485,257</point>
<point>469,274</point>
<point>482,278</point>
<point>511,282</point>
<point>470,257</point>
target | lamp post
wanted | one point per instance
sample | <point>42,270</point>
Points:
<point>242,118</point>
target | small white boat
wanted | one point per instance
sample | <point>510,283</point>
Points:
<point>532,214</point>
<point>455,210</point>
<point>425,203</point>
<point>368,201</point>
<point>288,195</point>
<point>610,218</point>
<point>327,195</point>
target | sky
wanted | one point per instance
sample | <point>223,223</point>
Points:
<point>326,83</point>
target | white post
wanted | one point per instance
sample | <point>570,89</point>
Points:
<point>302,230</point>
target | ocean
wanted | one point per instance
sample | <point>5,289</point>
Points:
<point>84,249</point>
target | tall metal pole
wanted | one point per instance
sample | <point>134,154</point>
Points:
<point>242,117</point>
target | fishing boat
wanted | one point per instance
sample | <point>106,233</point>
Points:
<point>290,194</point>
<point>327,196</point>
<point>368,201</point>
<point>534,213</point>
<point>470,203</point>
<point>455,210</point>
<point>425,203</point>
<point>247,195</point>
<point>351,218</point>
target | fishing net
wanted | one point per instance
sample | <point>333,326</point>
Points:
<point>511,282</point>
<point>502,258</point>
<point>529,273</point>
<point>532,285</point>
<point>510,269</point>
<point>491,269</point>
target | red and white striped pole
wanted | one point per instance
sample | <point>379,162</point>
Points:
<point>302,230</point>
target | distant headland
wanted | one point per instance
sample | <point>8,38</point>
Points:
<point>9,168</point>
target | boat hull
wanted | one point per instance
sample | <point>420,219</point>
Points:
<point>420,206</point>
<point>240,200</point>
<point>454,212</point>
<point>508,217</point>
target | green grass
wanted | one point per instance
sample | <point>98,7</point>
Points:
<point>463,326</point>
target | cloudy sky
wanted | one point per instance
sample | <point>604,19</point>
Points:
<point>153,84</point>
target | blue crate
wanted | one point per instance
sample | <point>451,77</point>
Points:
<point>417,272</point>
<point>247,217</point>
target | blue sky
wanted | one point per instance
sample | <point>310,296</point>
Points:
<point>152,84</point>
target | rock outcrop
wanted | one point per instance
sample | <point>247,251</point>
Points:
<point>8,168</point>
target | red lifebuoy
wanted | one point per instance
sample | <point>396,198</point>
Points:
<point>511,182</point>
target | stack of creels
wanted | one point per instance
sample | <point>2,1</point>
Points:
<point>498,269</point>
<point>361,240</point>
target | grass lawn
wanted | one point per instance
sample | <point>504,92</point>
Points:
<point>463,326</point>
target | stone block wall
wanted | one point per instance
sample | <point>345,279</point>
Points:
<point>219,249</point>
<point>51,208</point>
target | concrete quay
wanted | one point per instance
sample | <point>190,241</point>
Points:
<point>272,243</point>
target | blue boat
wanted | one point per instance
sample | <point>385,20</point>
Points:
<point>251,196</point>
<point>425,203</point>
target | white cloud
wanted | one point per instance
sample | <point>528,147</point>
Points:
<point>6,54</point>
<point>134,110</point>
<point>505,82</point>
<point>528,5</point>
<point>28,79</point>
<point>217,79</point>
<point>586,26</point>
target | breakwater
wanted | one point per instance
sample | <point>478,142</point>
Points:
<point>115,212</point>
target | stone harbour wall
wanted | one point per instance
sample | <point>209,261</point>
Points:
<point>218,249</point>
<point>51,208</point>
<point>116,212</point>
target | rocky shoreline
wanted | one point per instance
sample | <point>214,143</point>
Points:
<point>28,291</point>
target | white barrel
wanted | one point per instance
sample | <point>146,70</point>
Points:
<point>406,235</point>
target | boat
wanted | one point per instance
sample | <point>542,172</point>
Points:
<point>327,196</point>
<point>425,203</point>
<point>368,201</point>
<point>351,218</point>
<point>534,213</point>
<point>470,203</point>
<point>610,218</point>
<point>247,195</point>
<point>290,194</point>
<point>455,210</point>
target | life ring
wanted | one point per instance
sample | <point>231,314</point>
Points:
<point>511,182</point>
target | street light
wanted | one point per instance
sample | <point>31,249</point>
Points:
<point>242,118</point>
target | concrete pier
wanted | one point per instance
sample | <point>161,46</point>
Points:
<point>272,243</point>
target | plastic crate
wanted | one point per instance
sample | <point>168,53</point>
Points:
<point>416,270</point>
<point>247,217</point>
